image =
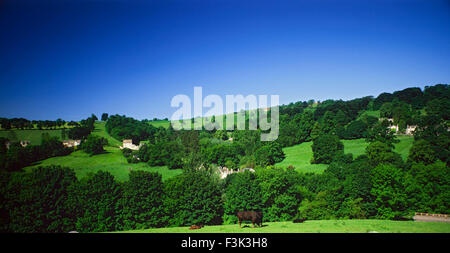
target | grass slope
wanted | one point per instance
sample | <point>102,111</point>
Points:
<point>300,155</point>
<point>160,123</point>
<point>370,113</point>
<point>101,131</point>
<point>34,136</point>
<point>317,226</point>
<point>112,160</point>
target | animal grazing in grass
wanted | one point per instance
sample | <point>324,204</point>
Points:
<point>196,226</point>
<point>255,217</point>
<point>299,220</point>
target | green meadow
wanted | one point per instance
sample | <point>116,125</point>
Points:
<point>160,123</point>
<point>370,113</point>
<point>101,132</point>
<point>112,160</point>
<point>300,155</point>
<point>316,226</point>
<point>32,135</point>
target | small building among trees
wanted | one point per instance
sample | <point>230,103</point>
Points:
<point>71,143</point>
<point>396,129</point>
<point>24,143</point>
<point>128,143</point>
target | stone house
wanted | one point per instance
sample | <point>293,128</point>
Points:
<point>224,171</point>
<point>24,143</point>
<point>409,128</point>
<point>129,144</point>
<point>71,143</point>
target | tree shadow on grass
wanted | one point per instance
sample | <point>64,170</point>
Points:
<point>250,226</point>
<point>101,153</point>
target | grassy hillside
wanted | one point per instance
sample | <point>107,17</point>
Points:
<point>300,155</point>
<point>160,123</point>
<point>370,113</point>
<point>317,226</point>
<point>112,161</point>
<point>101,131</point>
<point>34,136</point>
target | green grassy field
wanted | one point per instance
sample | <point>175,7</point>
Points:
<point>370,113</point>
<point>112,161</point>
<point>317,226</point>
<point>300,155</point>
<point>101,131</point>
<point>34,136</point>
<point>160,123</point>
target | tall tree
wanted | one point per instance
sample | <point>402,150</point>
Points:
<point>143,201</point>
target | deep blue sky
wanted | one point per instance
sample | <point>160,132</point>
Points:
<point>73,59</point>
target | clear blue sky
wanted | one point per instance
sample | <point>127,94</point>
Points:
<point>73,59</point>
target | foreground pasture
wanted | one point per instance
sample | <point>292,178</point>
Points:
<point>317,226</point>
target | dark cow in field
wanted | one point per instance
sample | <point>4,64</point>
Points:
<point>196,227</point>
<point>299,220</point>
<point>255,217</point>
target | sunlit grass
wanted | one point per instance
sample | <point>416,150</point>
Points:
<point>317,226</point>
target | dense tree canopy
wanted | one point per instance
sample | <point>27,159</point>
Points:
<point>325,148</point>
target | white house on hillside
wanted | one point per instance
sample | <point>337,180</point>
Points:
<point>409,128</point>
<point>129,144</point>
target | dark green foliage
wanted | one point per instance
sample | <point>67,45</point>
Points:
<point>382,133</point>
<point>130,155</point>
<point>142,201</point>
<point>97,203</point>
<point>328,123</point>
<point>242,193</point>
<point>388,190</point>
<point>104,117</point>
<point>269,154</point>
<point>194,197</point>
<point>220,153</point>
<point>175,162</point>
<point>221,135</point>
<point>51,146</point>
<point>38,201</point>
<point>354,130</point>
<point>94,145</point>
<point>121,127</point>
<point>16,157</point>
<point>433,128</point>
<point>422,152</point>
<point>401,113</point>
<point>78,133</point>
<point>381,153</point>
<point>281,193</point>
<point>325,148</point>
<point>431,186</point>
<point>158,154</point>
<point>412,96</point>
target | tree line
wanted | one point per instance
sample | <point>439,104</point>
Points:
<point>302,121</point>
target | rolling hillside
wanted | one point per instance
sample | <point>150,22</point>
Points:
<point>34,136</point>
<point>300,155</point>
<point>112,161</point>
